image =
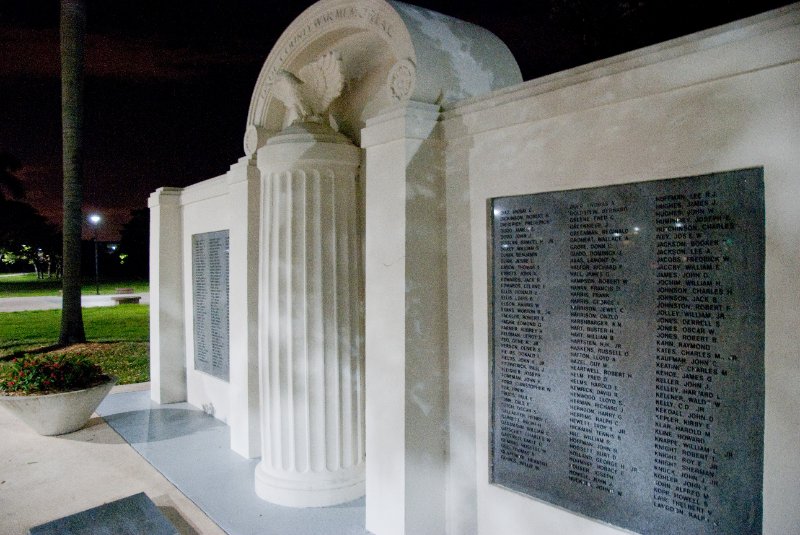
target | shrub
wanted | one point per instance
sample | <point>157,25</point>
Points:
<point>44,374</point>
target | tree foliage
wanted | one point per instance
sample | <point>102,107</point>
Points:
<point>9,183</point>
<point>134,245</point>
<point>27,237</point>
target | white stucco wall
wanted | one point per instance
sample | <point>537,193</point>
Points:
<point>228,202</point>
<point>725,99</point>
<point>406,369</point>
<point>205,209</point>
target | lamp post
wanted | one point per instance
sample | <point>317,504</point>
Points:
<point>95,219</point>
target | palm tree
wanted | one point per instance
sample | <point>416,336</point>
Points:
<point>73,30</point>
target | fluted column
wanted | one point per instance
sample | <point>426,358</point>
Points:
<point>310,347</point>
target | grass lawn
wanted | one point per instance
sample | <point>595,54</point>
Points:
<point>118,337</point>
<point>27,285</point>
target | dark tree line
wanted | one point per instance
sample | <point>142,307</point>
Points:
<point>134,246</point>
<point>9,183</point>
<point>26,237</point>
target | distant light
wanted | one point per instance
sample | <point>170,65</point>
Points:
<point>497,211</point>
<point>617,234</point>
<point>94,219</point>
<point>636,229</point>
<point>678,223</point>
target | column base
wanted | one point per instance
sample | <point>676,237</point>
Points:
<point>310,489</point>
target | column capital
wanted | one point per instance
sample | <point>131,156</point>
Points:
<point>306,147</point>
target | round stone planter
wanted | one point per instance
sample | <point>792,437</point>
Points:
<point>57,414</point>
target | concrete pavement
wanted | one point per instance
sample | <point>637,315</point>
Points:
<point>46,478</point>
<point>176,454</point>
<point>48,302</point>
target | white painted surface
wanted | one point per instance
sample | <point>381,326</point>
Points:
<point>405,324</point>
<point>205,209</point>
<point>167,346</point>
<point>385,336</point>
<point>391,52</point>
<point>721,100</point>
<point>455,59</point>
<point>228,202</point>
<point>725,100</point>
<point>311,343</point>
<point>244,186</point>
<point>463,473</point>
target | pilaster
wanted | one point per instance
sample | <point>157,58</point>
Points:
<point>167,343</point>
<point>244,187</point>
<point>406,326</point>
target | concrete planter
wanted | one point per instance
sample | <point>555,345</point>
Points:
<point>57,414</point>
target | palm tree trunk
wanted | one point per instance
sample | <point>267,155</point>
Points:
<point>73,29</point>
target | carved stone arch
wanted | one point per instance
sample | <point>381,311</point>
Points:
<point>391,52</point>
<point>371,38</point>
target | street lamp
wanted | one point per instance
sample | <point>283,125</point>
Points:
<point>95,219</point>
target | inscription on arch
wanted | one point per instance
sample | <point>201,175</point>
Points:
<point>361,15</point>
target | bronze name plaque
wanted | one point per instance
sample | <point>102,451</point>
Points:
<point>627,343</point>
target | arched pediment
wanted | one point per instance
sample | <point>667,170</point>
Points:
<point>391,52</point>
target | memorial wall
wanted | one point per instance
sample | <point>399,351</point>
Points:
<point>624,439</point>
<point>628,374</point>
<point>623,354</point>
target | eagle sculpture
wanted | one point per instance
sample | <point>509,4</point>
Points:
<point>308,95</point>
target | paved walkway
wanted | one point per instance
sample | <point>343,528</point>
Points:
<point>176,454</point>
<point>192,450</point>
<point>48,302</point>
<point>46,478</point>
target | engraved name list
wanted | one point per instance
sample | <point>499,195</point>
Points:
<point>627,351</point>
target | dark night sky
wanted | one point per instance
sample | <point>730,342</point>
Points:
<point>169,81</point>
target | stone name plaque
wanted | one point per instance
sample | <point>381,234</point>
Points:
<point>627,351</point>
<point>210,293</point>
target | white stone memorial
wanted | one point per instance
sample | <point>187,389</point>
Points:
<point>359,331</point>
